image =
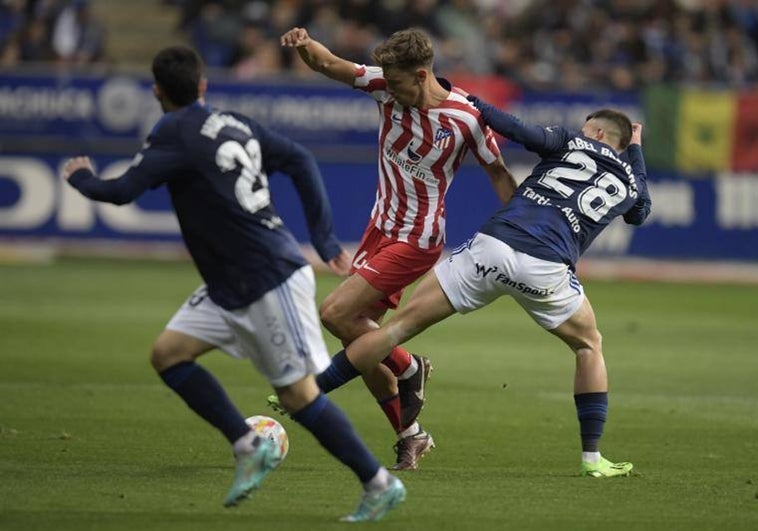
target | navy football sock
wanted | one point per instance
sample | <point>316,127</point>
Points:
<point>337,374</point>
<point>335,433</point>
<point>205,396</point>
<point>592,409</point>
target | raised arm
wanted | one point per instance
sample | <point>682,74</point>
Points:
<point>533,137</point>
<point>152,166</point>
<point>80,174</point>
<point>641,208</point>
<point>318,57</point>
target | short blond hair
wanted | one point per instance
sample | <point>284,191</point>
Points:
<point>405,50</point>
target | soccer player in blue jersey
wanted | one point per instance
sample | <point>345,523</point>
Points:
<point>528,249</point>
<point>258,298</point>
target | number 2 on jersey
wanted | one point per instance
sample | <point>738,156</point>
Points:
<point>251,187</point>
<point>597,198</point>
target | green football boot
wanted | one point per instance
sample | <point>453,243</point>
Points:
<point>273,403</point>
<point>251,469</point>
<point>374,505</point>
<point>605,469</point>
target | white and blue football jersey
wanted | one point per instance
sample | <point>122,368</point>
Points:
<point>572,194</point>
<point>216,166</point>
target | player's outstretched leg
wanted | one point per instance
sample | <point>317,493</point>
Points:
<point>413,442</point>
<point>592,409</point>
<point>375,504</point>
<point>402,409</point>
<point>337,374</point>
<point>412,392</point>
<point>590,390</point>
<point>253,465</point>
<point>329,425</point>
<point>416,442</point>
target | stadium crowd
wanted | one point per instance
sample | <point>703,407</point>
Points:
<point>62,31</point>
<point>539,44</point>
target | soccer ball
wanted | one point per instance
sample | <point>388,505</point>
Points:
<point>272,430</point>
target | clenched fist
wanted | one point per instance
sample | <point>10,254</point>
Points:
<point>76,163</point>
<point>636,134</point>
<point>295,38</point>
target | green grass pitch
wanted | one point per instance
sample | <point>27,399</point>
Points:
<point>91,439</point>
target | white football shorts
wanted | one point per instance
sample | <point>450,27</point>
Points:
<point>485,268</point>
<point>279,333</point>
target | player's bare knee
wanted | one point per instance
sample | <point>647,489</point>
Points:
<point>296,396</point>
<point>594,341</point>
<point>333,317</point>
<point>598,340</point>
<point>164,354</point>
<point>583,342</point>
<point>325,312</point>
<point>159,356</point>
<point>292,402</point>
<point>589,344</point>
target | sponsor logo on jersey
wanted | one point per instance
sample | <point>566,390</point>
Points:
<point>396,118</point>
<point>484,271</point>
<point>410,167</point>
<point>442,138</point>
<point>538,198</point>
<point>412,155</point>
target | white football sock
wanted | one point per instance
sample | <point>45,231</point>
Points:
<point>413,429</point>
<point>590,457</point>
<point>244,445</point>
<point>379,482</point>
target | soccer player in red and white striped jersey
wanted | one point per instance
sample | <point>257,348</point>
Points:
<point>421,148</point>
<point>426,129</point>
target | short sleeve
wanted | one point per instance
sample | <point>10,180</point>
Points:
<point>370,79</point>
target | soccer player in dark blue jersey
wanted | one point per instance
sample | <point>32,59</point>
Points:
<point>528,249</point>
<point>257,301</point>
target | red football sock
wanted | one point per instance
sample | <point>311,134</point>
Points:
<point>391,408</point>
<point>398,360</point>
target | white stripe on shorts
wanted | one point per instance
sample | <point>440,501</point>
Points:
<point>280,333</point>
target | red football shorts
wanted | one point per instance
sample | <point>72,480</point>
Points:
<point>389,265</point>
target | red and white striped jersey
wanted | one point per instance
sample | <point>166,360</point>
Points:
<point>420,150</point>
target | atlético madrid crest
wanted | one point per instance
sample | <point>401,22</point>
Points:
<point>442,138</point>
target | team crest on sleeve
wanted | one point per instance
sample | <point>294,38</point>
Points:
<point>442,138</point>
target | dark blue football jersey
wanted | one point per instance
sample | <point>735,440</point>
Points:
<point>572,194</point>
<point>216,166</point>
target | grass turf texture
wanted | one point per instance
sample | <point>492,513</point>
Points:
<point>91,439</point>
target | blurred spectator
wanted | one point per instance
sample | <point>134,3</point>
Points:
<point>256,55</point>
<point>538,44</point>
<point>77,37</point>
<point>12,17</point>
<point>215,33</point>
<point>461,26</point>
<point>34,44</point>
<point>50,30</point>
<point>12,22</point>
